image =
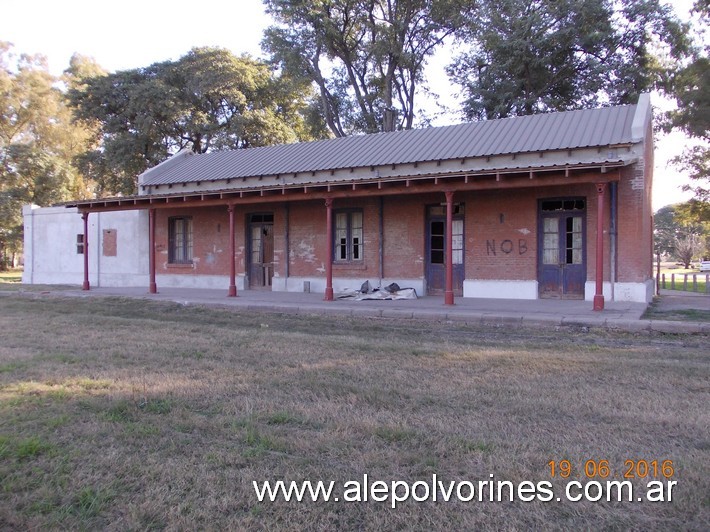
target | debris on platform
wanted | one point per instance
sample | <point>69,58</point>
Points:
<point>367,293</point>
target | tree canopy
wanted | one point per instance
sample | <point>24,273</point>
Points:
<point>208,99</point>
<point>38,143</point>
<point>691,87</point>
<point>682,230</point>
<point>340,67</point>
<point>532,56</point>
<point>366,57</point>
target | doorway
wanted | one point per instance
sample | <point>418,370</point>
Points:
<point>562,254</point>
<point>261,251</point>
<point>436,249</point>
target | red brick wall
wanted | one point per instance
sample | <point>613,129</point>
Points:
<point>210,241</point>
<point>307,251</point>
<point>635,222</point>
<point>501,234</point>
<point>404,231</point>
<point>502,231</point>
<point>307,234</point>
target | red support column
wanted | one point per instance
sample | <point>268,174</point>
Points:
<point>449,292</point>
<point>232,261</point>
<point>85,217</point>
<point>153,287</point>
<point>599,292</point>
<point>329,247</point>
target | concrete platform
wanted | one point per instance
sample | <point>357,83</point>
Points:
<point>616,315</point>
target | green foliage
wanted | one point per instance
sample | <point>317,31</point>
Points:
<point>119,412</point>
<point>31,447</point>
<point>206,100</point>
<point>38,144</point>
<point>159,406</point>
<point>90,501</point>
<point>683,230</point>
<point>365,57</point>
<point>532,56</point>
<point>691,88</point>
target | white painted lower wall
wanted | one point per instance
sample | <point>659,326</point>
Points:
<point>641,292</point>
<point>632,292</point>
<point>500,289</point>
<point>217,282</point>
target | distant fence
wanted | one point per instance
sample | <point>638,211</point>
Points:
<point>687,282</point>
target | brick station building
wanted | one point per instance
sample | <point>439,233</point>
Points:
<point>554,205</point>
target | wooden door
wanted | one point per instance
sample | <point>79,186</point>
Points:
<point>261,251</point>
<point>436,250</point>
<point>562,249</point>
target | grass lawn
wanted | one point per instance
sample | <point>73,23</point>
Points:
<point>11,281</point>
<point>132,415</point>
<point>652,313</point>
<point>11,277</point>
<point>679,284</point>
<point>680,275</point>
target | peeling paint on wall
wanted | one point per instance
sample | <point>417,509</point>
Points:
<point>305,251</point>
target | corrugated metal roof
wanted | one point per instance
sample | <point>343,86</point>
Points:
<point>537,133</point>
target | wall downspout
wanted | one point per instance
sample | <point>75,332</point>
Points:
<point>599,274</point>
<point>612,236</point>
<point>382,240</point>
<point>288,239</point>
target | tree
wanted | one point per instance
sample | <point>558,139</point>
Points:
<point>682,230</point>
<point>206,100</point>
<point>691,89</point>
<point>532,56</point>
<point>665,229</point>
<point>366,57</point>
<point>38,143</point>
<point>686,248</point>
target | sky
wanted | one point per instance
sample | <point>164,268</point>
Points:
<point>137,33</point>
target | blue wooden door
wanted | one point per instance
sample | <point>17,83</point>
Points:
<point>562,253</point>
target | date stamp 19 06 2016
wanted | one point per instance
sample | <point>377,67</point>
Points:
<point>631,469</point>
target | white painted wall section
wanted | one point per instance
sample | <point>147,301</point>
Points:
<point>500,289</point>
<point>630,292</point>
<point>51,247</point>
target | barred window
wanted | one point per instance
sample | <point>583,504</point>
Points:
<point>348,236</point>
<point>180,240</point>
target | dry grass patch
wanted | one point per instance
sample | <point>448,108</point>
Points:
<point>123,414</point>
